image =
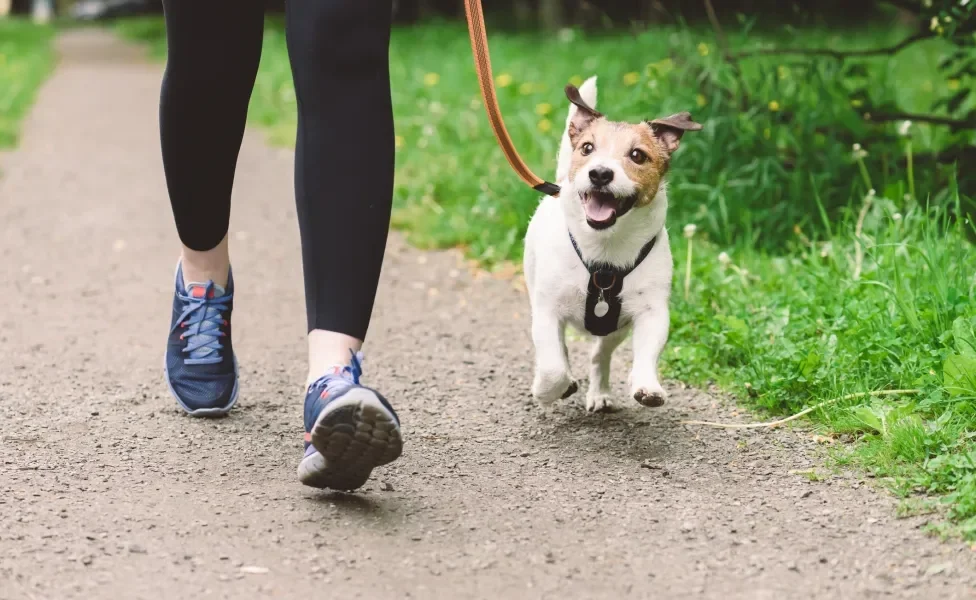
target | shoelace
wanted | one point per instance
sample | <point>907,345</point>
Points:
<point>202,319</point>
<point>348,375</point>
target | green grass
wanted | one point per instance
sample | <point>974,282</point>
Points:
<point>749,177</point>
<point>26,59</point>
<point>774,312</point>
<point>786,332</point>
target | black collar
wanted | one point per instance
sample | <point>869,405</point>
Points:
<point>602,313</point>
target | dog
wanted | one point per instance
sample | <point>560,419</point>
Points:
<point>597,256</point>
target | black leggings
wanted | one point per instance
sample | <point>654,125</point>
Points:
<point>339,52</point>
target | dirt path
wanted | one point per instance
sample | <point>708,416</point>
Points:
<point>107,491</point>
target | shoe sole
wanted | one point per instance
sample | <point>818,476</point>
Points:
<point>220,411</point>
<point>354,434</point>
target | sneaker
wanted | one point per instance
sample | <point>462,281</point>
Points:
<point>200,368</point>
<point>349,430</point>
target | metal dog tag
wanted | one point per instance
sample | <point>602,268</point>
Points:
<point>601,308</point>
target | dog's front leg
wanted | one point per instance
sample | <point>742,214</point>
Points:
<point>650,335</point>
<point>598,396</point>
<point>552,378</point>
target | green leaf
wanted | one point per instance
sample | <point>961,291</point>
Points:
<point>870,416</point>
<point>964,334</point>
<point>959,375</point>
<point>810,363</point>
<point>956,100</point>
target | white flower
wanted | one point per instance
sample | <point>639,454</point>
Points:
<point>896,217</point>
<point>724,259</point>
<point>904,127</point>
<point>857,147</point>
<point>871,192</point>
<point>690,229</point>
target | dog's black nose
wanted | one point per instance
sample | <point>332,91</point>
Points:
<point>601,176</point>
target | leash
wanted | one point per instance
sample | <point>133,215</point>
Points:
<point>482,63</point>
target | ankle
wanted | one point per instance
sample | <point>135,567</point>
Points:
<point>328,350</point>
<point>207,265</point>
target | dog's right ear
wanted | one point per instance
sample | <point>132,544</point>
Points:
<point>583,116</point>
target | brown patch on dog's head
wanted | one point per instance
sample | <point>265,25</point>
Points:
<point>624,162</point>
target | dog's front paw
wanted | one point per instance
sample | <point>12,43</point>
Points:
<point>551,386</point>
<point>650,395</point>
<point>599,403</point>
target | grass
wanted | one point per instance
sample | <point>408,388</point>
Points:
<point>790,331</point>
<point>26,59</point>
<point>818,272</point>
<point>776,156</point>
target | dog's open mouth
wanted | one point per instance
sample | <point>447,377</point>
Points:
<point>603,208</point>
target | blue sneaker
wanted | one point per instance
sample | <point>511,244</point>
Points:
<point>349,430</point>
<point>200,368</point>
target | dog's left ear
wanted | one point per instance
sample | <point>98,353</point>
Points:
<point>584,115</point>
<point>670,129</point>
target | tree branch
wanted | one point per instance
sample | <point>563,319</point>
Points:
<point>837,54</point>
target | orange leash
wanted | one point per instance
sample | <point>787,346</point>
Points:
<point>482,63</point>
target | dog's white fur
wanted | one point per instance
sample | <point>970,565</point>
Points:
<point>557,281</point>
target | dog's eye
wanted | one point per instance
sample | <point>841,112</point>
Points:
<point>586,149</point>
<point>638,156</point>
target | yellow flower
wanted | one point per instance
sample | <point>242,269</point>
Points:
<point>503,80</point>
<point>398,141</point>
<point>783,72</point>
<point>576,80</point>
<point>953,84</point>
<point>545,125</point>
<point>774,106</point>
<point>857,103</point>
<point>703,49</point>
<point>431,79</point>
<point>543,109</point>
<point>767,133</point>
<point>701,100</point>
<point>631,78</point>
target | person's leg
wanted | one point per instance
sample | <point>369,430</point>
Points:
<point>339,51</point>
<point>214,48</point>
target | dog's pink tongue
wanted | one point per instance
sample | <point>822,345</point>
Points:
<point>598,211</point>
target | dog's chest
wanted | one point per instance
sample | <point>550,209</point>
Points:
<point>598,307</point>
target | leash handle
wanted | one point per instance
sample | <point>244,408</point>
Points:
<point>482,63</point>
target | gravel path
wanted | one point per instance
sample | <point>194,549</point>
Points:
<point>107,491</point>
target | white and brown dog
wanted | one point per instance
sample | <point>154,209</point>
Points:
<point>597,256</point>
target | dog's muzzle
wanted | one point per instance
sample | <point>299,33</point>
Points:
<point>602,208</point>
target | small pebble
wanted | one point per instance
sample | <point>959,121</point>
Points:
<point>252,570</point>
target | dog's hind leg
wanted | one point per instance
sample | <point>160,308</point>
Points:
<point>598,396</point>
<point>552,378</point>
